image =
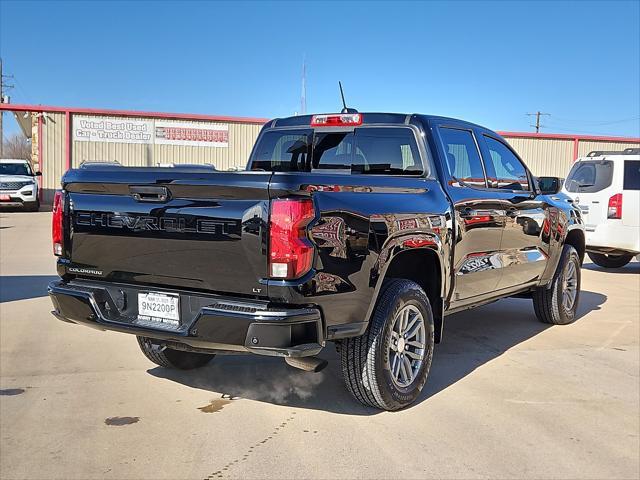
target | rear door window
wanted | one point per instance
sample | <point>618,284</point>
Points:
<point>463,158</point>
<point>590,176</point>
<point>631,175</point>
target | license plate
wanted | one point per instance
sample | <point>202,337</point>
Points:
<point>159,308</point>
<point>5,198</point>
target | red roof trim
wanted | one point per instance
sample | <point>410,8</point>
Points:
<point>562,136</point>
<point>132,113</point>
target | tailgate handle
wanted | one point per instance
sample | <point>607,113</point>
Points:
<point>149,194</point>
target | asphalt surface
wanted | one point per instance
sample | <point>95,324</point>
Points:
<point>507,397</point>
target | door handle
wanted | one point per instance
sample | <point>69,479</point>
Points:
<point>149,193</point>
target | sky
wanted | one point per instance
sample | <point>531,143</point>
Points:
<point>486,62</point>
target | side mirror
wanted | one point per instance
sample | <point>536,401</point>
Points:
<point>38,174</point>
<point>549,185</point>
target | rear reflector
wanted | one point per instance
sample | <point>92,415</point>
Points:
<point>56,223</point>
<point>336,120</point>
<point>290,251</point>
<point>615,207</point>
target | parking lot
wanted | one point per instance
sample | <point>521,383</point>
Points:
<point>507,397</point>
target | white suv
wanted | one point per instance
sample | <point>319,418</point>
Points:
<point>606,186</point>
<point>18,185</point>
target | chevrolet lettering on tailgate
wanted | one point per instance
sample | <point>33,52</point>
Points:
<point>139,223</point>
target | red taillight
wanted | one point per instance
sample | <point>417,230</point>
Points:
<point>615,207</point>
<point>56,223</point>
<point>477,219</point>
<point>290,251</point>
<point>336,120</point>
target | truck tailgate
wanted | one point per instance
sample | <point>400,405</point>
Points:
<point>169,227</point>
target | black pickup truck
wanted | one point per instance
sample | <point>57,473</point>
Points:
<point>362,229</point>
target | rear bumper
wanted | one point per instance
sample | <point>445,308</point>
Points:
<point>613,236</point>
<point>209,322</point>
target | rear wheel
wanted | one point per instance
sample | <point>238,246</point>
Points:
<point>558,303</point>
<point>610,261</point>
<point>170,358</point>
<point>387,367</point>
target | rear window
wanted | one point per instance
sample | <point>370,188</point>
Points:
<point>590,177</point>
<point>368,150</point>
<point>283,151</point>
<point>631,175</point>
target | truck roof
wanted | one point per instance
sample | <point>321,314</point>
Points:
<point>369,118</point>
<point>13,160</point>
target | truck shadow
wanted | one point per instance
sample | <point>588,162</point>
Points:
<point>22,287</point>
<point>471,339</point>
<point>631,267</point>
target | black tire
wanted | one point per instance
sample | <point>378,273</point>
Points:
<point>366,359</point>
<point>32,206</point>
<point>549,303</point>
<point>610,261</point>
<point>170,358</point>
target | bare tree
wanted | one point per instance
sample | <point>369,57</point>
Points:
<point>17,146</point>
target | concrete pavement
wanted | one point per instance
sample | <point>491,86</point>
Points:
<point>507,397</point>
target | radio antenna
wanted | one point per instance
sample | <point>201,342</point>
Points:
<point>345,109</point>
<point>344,104</point>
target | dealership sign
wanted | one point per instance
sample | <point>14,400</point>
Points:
<point>195,134</point>
<point>100,129</point>
<point>161,132</point>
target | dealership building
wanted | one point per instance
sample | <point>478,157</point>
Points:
<point>63,138</point>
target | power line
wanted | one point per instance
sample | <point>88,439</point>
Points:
<point>595,123</point>
<point>579,132</point>
<point>22,90</point>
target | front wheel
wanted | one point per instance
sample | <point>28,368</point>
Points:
<point>387,367</point>
<point>607,260</point>
<point>557,304</point>
<point>171,358</point>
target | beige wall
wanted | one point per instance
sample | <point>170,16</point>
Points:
<point>585,146</point>
<point>236,154</point>
<point>52,163</point>
<point>554,157</point>
<point>241,139</point>
<point>549,157</point>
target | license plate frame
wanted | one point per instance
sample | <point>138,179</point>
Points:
<point>160,309</point>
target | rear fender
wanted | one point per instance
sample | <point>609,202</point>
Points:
<point>428,242</point>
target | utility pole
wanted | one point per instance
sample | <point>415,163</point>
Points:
<point>2,85</point>
<point>537,114</point>
<point>1,111</point>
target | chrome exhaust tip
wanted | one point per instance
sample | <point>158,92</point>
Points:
<point>308,364</point>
